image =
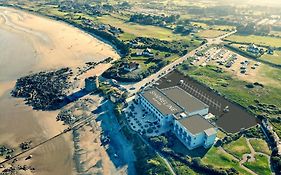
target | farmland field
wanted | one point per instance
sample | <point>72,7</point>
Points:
<point>259,40</point>
<point>211,33</point>
<point>275,58</point>
<point>133,30</point>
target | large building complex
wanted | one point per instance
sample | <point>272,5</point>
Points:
<point>181,113</point>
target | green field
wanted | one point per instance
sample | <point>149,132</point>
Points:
<point>133,30</point>
<point>222,27</point>
<point>275,58</point>
<point>219,159</point>
<point>259,40</point>
<point>238,147</point>
<point>260,145</point>
<point>236,90</point>
<point>210,33</point>
<point>260,165</point>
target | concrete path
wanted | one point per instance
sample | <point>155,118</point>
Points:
<point>240,164</point>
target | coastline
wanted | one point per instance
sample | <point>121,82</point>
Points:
<point>58,19</point>
<point>19,122</point>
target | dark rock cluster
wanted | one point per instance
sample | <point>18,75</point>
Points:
<point>13,170</point>
<point>43,90</point>
<point>25,145</point>
<point>6,151</point>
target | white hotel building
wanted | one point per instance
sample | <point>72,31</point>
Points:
<point>182,113</point>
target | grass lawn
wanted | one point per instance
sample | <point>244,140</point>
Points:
<point>260,165</point>
<point>275,58</point>
<point>238,147</point>
<point>133,30</point>
<point>210,33</point>
<point>269,76</point>
<point>219,159</point>
<point>259,40</point>
<point>260,145</point>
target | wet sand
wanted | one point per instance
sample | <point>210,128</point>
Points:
<point>30,43</point>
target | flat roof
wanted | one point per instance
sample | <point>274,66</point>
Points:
<point>196,124</point>
<point>184,99</point>
<point>160,101</point>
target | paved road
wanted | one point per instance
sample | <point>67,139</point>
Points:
<point>170,67</point>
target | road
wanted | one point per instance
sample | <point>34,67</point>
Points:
<point>154,77</point>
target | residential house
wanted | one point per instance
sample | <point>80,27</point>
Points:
<point>253,49</point>
<point>131,66</point>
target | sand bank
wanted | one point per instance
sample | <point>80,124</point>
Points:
<point>30,43</point>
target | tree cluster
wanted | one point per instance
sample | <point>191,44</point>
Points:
<point>153,19</point>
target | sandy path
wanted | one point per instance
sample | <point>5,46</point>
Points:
<point>29,43</point>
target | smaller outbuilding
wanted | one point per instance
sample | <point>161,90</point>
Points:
<point>92,83</point>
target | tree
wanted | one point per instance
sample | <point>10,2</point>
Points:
<point>159,141</point>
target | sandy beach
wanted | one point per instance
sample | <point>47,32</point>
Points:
<point>30,43</point>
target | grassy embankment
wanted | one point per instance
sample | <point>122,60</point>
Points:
<point>219,159</point>
<point>260,145</point>
<point>181,169</point>
<point>260,165</point>
<point>238,148</point>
